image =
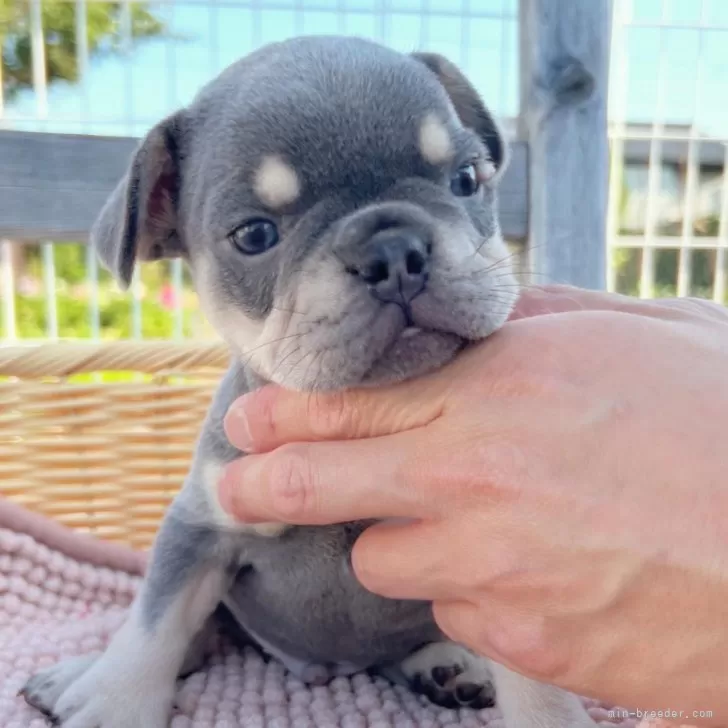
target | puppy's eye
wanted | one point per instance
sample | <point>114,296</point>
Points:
<point>465,183</point>
<point>255,237</point>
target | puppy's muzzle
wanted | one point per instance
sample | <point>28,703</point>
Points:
<point>394,265</point>
<point>389,254</point>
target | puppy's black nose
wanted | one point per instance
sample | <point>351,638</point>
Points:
<point>395,266</point>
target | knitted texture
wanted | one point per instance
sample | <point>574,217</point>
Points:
<point>55,602</point>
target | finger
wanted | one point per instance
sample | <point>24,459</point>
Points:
<point>269,417</point>
<point>333,482</point>
<point>546,300</point>
<point>408,560</point>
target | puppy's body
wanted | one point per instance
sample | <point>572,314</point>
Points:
<point>335,201</point>
<point>296,594</point>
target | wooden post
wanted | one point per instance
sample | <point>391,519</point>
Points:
<point>564,82</point>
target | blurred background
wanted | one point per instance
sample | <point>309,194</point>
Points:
<point>114,68</point>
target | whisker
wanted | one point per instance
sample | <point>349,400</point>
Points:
<point>287,310</point>
<point>314,361</point>
<point>283,360</point>
<point>271,342</point>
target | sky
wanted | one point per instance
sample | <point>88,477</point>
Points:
<point>127,95</point>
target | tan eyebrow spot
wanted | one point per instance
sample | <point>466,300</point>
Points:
<point>435,141</point>
<point>276,183</point>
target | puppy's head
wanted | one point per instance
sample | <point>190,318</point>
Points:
<point>336,203</point>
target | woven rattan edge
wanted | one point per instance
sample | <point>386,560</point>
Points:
<point>65,359</point>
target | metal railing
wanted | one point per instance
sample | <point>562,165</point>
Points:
<point>49,189</point>
<point>667,227</point>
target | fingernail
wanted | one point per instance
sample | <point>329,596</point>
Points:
<point>243,438</point>
<point>225,492</point>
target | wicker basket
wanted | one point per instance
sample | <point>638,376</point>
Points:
<point>99,436</point>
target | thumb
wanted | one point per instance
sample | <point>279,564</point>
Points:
<point>271,416</point>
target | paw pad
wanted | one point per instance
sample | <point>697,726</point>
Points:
<point>450,687</point>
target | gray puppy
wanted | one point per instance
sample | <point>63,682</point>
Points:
<point>335,201</point>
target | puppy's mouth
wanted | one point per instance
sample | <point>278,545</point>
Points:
<point>415,351</point>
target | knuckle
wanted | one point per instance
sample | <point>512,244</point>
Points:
<point>525,642</point>
<point>291,483</point>
<point>457,623</point>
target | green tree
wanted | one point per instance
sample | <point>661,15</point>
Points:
<point>59,25</point>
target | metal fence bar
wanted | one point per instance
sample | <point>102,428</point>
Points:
<point>7,286</point>
<point>631,132</point>
<point>38,58</point>
<point>438,10</point>
<point>685,260</point>
<point>654,170</point>
<point>82,55</point>
<point>719,280</point>
<point>424,13</point>
<point>504,52</point>
<point>92,276</point>
<point>299,9</point>
<point>662,25</point>
<point>617,102</point>
<point>171,62</point>
<point>383,18</point>
<point>49,284</point>
<point>664,135</point>
<point>92,262</point>
<point>257,10</point>
<point>125,33</point>
<point>341,16</point>
<point>178,293</point>
<point>2,93</point>
<point>213,19</point>
<point>175,267</point>
<point>667,242</point>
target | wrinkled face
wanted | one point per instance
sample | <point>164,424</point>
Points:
<point>350,228</point>
<point>339,217</point>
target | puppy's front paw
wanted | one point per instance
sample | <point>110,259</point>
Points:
<point>99,692</point>
<point>44,688</point>
<point>450,676</point>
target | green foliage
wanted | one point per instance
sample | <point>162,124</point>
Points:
<point>116,319</point>
<point>115,314</point>
<point>627,264</point>
<point>59,25</point>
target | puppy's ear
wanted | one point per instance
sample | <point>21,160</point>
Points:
<point>139,220</point>
<point>468,105</point>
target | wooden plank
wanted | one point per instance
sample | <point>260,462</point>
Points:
<point>52,186</point>
<point>564,82</point>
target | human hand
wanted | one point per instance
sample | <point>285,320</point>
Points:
<point>567,491</point>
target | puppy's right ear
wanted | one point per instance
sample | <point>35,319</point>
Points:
<point>468,105</point>
<point>139,220</point>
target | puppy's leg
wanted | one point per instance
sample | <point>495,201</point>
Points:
<point>132,683</point>
<point>450,675</point>
<point>529,704</point>
<point>195,555</point>
<point>44,688</point>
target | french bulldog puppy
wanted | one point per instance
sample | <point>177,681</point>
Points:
<point>335,201</point>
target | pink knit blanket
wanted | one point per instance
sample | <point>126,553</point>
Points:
<point>63,594</point>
